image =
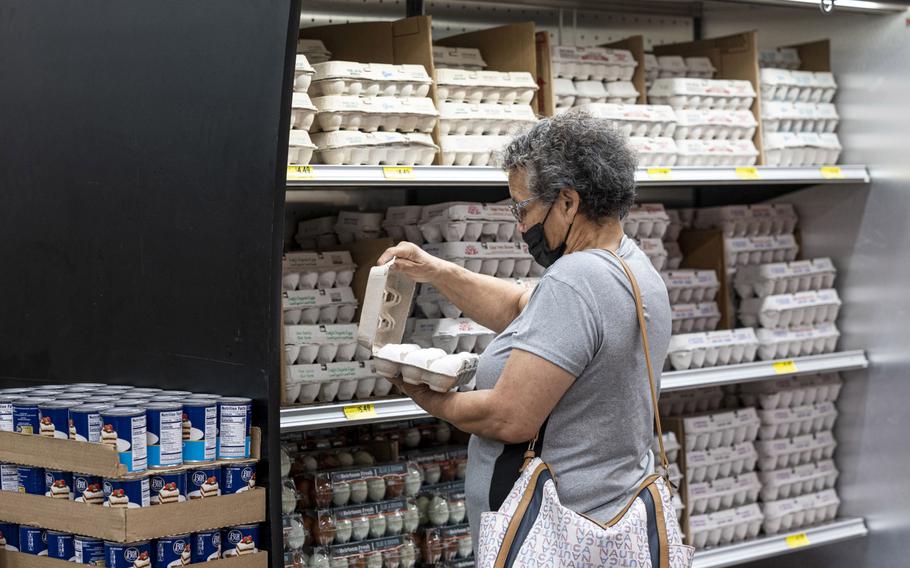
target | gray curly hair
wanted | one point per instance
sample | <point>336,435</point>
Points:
<point>575,150</point>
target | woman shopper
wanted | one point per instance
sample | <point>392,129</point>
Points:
<point>568,364</point>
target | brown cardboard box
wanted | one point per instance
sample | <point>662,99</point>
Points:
<point>704,248</point>
<point>22,560</point>
<point>636,45</point>
<point>815,55</point>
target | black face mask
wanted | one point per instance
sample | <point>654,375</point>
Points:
<point>537,243</point>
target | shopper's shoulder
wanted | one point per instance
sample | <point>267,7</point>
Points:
<point>584,263</point>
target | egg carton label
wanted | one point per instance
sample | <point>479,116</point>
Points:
<point>378,544</point>
<point>296,299</point>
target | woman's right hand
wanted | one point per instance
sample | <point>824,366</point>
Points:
<point>412,260</point>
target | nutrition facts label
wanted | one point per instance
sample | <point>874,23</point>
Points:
<point>234,430</point>
<point>140,444</point>
<point>9,477</point>
<point>94,427</point>
<point>6,417</point>
<point>170,438</point>
<point>211,432</point>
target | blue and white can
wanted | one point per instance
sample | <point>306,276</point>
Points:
<point>89,489</point>
<point>203,482</point>
<point>54,417</point>
<point>238,477</point>
<point>206,546</point>
<point>234,414</point>
<point>146,390</point>
<point>60,545</point>
<point>58,484</point>
<point>9,536</point>
<point>200,423</point>
<point>26,417</point>
<point>9,477</point>
<point>240,540</point>
<point>165,434</point>
<point>125,430</point>
<point>32,540</point>
<point>31,480</point>
<point>168,487</point>
<point>127,493</point>
<point>89,550</point>
<point>6,411</point>
<point>131,403</point>
<point>128,555</point>
<point>173,551</point>
<point>85,422</point>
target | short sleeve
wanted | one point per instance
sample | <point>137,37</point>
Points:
<point>558,325</point>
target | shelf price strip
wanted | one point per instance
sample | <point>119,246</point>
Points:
<point>660,173</point>
<point>359,411</point>
<point>831,172</point>
<point>784,367</point>
<point>747,173</point>
<point>398,172</point>
<point>797,540</point>
<point>301,172</point>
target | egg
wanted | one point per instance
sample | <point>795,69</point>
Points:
<point>448,365</point>
<point>411,518</point>
<point>412,480</point>
<point>345,459</point>
<point>319,559</point>
<point>285,462</point>
<point>431,473</point>
<point>360,528</point>
<point>443,433</point>
<point>438,511</point>
<point>288,498</point>
<point>341,493</point>
<point>465,546</point>
<point>343,530</point>
<point>359,491</point>
<point>456,511</point>
<point>377,526</point>
<point>376,488</point>
<point>363,458</point>
<point>394,522</point>
<point>412,438</point>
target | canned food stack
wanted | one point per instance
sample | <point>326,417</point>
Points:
<point>584,75</point>
<point>303,113</point>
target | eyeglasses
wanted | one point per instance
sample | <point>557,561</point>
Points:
<point>517,208</point>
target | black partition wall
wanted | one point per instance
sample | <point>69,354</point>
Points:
<point>141,190</point>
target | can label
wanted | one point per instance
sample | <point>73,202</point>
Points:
<point>165,438</point>
<point>241,540</point>
<point>204,482</point>
<point>234,431</point>
<point>61,546</point>
<point>206,546</point>
<point>173,551</point>
<point>58,484</point>
<point>88,489</point>
<point>26,419</point>
<point>127,435</point>
<point>199,435</point>
<point>85,426</point>
<point>237,478</point>
<point>6,416</point>
<point>32,540</point>
<point>89,551</point>
<point>167,488</point>
<point>132,555</point>
<point>31,480</point>
<point>9,477</point>
<point>126,493</point>
<point>54,422</point>
<point>9,536</point>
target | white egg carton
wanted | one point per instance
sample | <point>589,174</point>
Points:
<point>369,79</point>
<point>469,58</point>
<point>652,69</point>
<point>656,151</point>
<point>790,514</point>
<point>797,420</point>
<point>587,92</point>
<point>785,277</point>
<point>308,344</point>
<point>439,230</point>
<point>722,347</point>
<point>332,305</point>
<point>790,85</point>
<point>792,452</point>
<point>400,223</point>
<point>646,221</point>
<point>471,150</point>
<point>303,74</point>
<point>300,148</point>
<point>794,342</point>
<point>790,392</point>
<point>484,118</point>
<point>303,112</point>
<point>690,401</point>
<point>597,63</point>
<point>723,493</point>
<point>780,116</point>
<point>748,220</point>
<point>782,57</point>
<point>700,68</point>
<point>564,93</point>
<point>725,461</point>
<point>353,148</point>
<point>493,259</point>
<point>674,227</point>
<point>440,371</point>
<point>389,114</point>
<point>684,286</point>
<point>309,270</point>
<point>636,120</point>
<point>714,124</point>
<point>797,481</point>
<point>703,94</point>
<point>710,431</point>
<point>674,254</point>
<point>745,251</point>
<point>675,475</point>
<point>358,225</point>
<point>459,335</point>
<point>503,87</point>
<point>716,153</point>
<point>787,311</point>
<point>725,527</point>
<point>654,250</point>
<point>670,66</point>
<point>671,447</point>
<point>306,384</point>
<point>314,50</point>
<point>790,149</point>
<point>703,316</point>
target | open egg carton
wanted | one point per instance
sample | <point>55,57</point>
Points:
<point>353,226</point>
<point>671,66</point>
<point>303,74</point>
<point>503,87</point>
<point>312,270</point>
<point>636,120</point>
<point>300,148</point>
<point>722,347</point>
<point>489,119</point>
<point>503,260</point>
<point>797,86</point>
<point>778,116</point>
<point>791,392</point>
<point>723,493</point>
<point>782,57</point>
<point>748,220</point>
<point>358,522</point>
<point>451,335</point>
<point>794,342</point>
<point>714,124</point>
<point>308,344</point>
<point>725,527</point>
<point>314,50</point>
<point>796,481</point>
<point>725,428</point>
<point>356,148</point>
<point>787,311</point>
<point>796,451</point>
<point>725,461</point>
<point>306,384</point>
<point>471,150</point>
<point>785,278</point>
<point>746,251</point>
<point>332,305</point>
<point>685,93</point>
<point>656,151</point>
<point>798,512</point>
<point>700,68</point>
<point>797,420</point>
<point>646,221</point>
<point>597,63</point>
<point>690,401</point>
<point>716,153</point>
<point>369,80</point>
<point>388,114</point>
<point>655,251</point>
<point>467,222</point>
<point>434,305</point>
<point>687,318</point>
<point>467,58</point>
<point>787,149</point>
<point>685,286</point>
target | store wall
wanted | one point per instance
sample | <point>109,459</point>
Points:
<point>865,230</point>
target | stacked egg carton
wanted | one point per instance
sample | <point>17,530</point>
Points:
<point>346,227</point>
<point>672,448</point>
<point>586,75</point>
<point>753,234</point>
<point>303,113</point>
<point>648,223</point>
<point>649,128</point>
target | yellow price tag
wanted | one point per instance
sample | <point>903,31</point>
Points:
<point>398,172</point>
<point>784,367</point>
<point>831,172</point>
<point>747,173</point>
<point>301,172</point>
<point>359,411</point>
<point>659,173</point>
<point>797,540</point>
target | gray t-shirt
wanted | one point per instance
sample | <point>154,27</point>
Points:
<point>598,438</point>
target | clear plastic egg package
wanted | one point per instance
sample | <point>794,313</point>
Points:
<point>690,285</point>
<point>490,119</point>
<point>467,222</point>
<point>468,58</point>
<point>398,551</point>
<point>303,270</point>
<point>794,342</point>
<point>788,149</point>
<point>503,260</point>
<point>369,80</point>
<point>597,63</point>
<point>709,465</point>
<point>503,87</point>
<point>369,114</point>
<point>684,93</point>
<point>716,153</point>
<point>795,451</point>
<point>726,428</point>
<point>778,116</point>
<point>723,493</point>
<point>636,120</point>
<point>446,544</point>
<point>654,151</point>
<point>794,391</point>
<point>355,148</point>
<point>328,382</point>
<point>725,527</point>
<point>341,487</point>
<point>714,124</point>
<point>800,480</point>
<point>722,347</point>
<point>440,465</point>
<point>745,251</point>
<point>789,514</point>
<point>690,401</point>
<point>783,311</point>
<point>687,318</point>
<point>748,220</point>
<point>797,86</point>
<point>295,534</point>
<point>307,344</point>
<point>797,420</point>
<point>470,149</point>
<point>364,521</point>
<point>460,335</point>
<point>670,66</point>
<point>332,305</point>
<point>442,504</point>
<point>314,50</point>
<point>785,278</point>
<point>655,250</point>
<point>700,68</point>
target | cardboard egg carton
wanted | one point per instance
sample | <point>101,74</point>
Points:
<point>471,150</point>
<point>300,148</point>
<point>716,153</point>
<point>791,85</point>
<point>746,251</point>
<point>303,112</point>
<point>358,225</point>
<point>597,63</point>
<point>796,421</point>
<point>785,278</point>
<point>714,124</point>
<point>636,120</point>
<point>778,116</point>
<point>782,57</point>
<point>674,226</point>
<point>722,347</point>
<point>687,318</point>
<point>655,251</point>
<point>684,286</point>
<point>564,93</point>
<point>792,392</point>
<point>503,87</point>
<point>652,69</point>
<point>708,465</point>
<point>389,114</point>
<point>690,401</point>
<point>303,74</point>
<point>723,493</point>
<point>794,342</point>
<point>795,451</point>
<point>700,68</point>
<point>674,254</point>
<point>657,151</point>
<point>441,230</point>
<point>309,270</point>
<point>727,428</point>
<point>314,50</point>
<point>493,259</point>
<point>748,221</point>
<point>353,148</point>
<point>788,149</point>
<point>308,344</point>
<point>369,79</point>
<point>670,66</point>
<point>683,93</point>
<point>306,384</point>
<point>725,527</point>
<point>321,306</point>
<point>401,223</point>
<point>646,221</point>
<point>468,58</point>
<point>796,481</point>
<point>671,446</point>
<point>484,118</point>
<point>787,311</point>
<point>460,335</point>
<point>790,514</point>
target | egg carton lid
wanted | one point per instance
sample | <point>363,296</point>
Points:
<point>717,147</point>
<point>298,261</point>
<point>312,46</point>
<point>400,215</point>
<point>673,63</point>
<point>497,79</point>
<point>472,143</point>
<point>775,76</point>
<point>621,89</point>
<point>700,64</point>
<point>456,250</point>
<point>467,211</point>
<point>380,325</point>
<point>622,57</point>
<point>564,53</point>
<point>358,221</point>
<point>689,311</point>
<point>302,65</point>
<point>652,145</point>
<point>448,326</point>
<point>486,111</point>
<point>651,246</point>
<point>781,140</point>
<point>789,55</point>
<point>590,89</point>
<point>822,110</point>
<point>376,105</point>
<point>825,79</point>
<point>563,87</point>
<point>651,60</point>
<point>593,54</point>
<point>331,70</point>
<point>302,100</point>
<point>638,113</point>
<point>458,55</point>
<point>298,299</point>
<point>327,372</point>
<point>321,334</point>
<point>803,78</point>
<point>687,342</point>
<point>300,138</point>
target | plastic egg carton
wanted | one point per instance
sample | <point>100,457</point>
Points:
<point>503,87</point>
<point>308,344</point>
<point>746,251</point>
<point>564,93</point>
<point>670,66</point>
<point>355,148</point>
<point>456,335</point>
<point>471,150</point>
<point>782,57</point>
<point>674,254</point>
<point>654,250</point>
<point>785,277</point>
<point>484,118</point>
<point>369,79</point>
<point>493,259</point>
<point>683,93</point>
<point>797,420</point>
<point>358,225</point>
<point>780,116</point>
<point>714,124</point>
<point>795,391</point>
<point>470,58</point>
<point>684,286</point>
<point>722,347</point>
<point>725,527</point>
<point>789,514</point>
<point>794,342</point>
<point>716,153</point>
<point>783,311</point>
<point>309,270</point>
<point>597,63</point>
<point>671,447</point>
<point>710,431</point>
<point>723,493</point>
<point>306,384</point>
<point>636,120</point>
<point>703,316</point>
<point>389,551</point>
<point>690,401</point>
<point>333,305</point>
<point>792,452</point>
<point>314,50</point>
<point>646,221</point>
<point>302,112</point>
<point>797,481</point>
<point>791,85</point>
<point>300,148</point>
<point>787,149</point>
<point>657,151</point>
<point>303,74</point>
<point>700,68</point>
<point>389,114</point>
<point>358,522</point>
<point>708,465</point>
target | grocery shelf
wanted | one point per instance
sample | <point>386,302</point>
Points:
<point>313,417</point>
<point>302,177</point>
<point>830,533</point>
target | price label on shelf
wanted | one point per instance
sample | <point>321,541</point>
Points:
<point>831,172</point>
<point>784,367</point>
<point>359,411</point>
<point>747,173</point>
<point>398,172</point>
<point>300,172</point>
<point>797,540</point>
<point>659,173</point>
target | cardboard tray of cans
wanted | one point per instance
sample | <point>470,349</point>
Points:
<point>780,116</point>
<point>725,527</point>
<point>789,514</point>
<point>467,58</point>
<point>328,382</point>
<point>503,87</point>
<point>389,114</point>
<point>789,149</point>
<point>470,150</point>
<point>597,63</point>
<point>748,220</point>
<point>484,118</point>
<point>793,342</point>
<point>702,93</point>
<point>9,559</point>
<point>723,493</point>
<point>795,391</point>
<point>636,120</point>
<point>797,481</point>
<point>714,124</point>
<point>721,347</point>
<point>369,79</point>
<point>785,278</point>
<point>784,311</point>
<point>745,251</point>
<point>726,461</point>
<point>796,451</point>
<point>373,148</point>
<point>310,270</point>
<point>792,85</point>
